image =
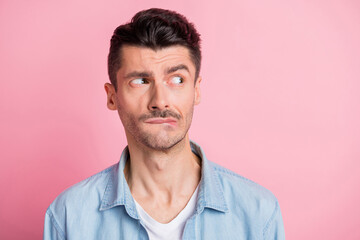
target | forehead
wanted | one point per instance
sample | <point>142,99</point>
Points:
<point>144,58</point>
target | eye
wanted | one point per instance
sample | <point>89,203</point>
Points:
<point>177,80</point>
<point>138,81</point>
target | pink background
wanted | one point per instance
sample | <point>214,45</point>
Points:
<point>281,104</point>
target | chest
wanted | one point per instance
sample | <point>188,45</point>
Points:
<point>117,224</point>
<point>162,213</point>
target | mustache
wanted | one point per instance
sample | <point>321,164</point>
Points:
<point>160,114</point>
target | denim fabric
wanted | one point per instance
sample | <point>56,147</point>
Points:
<point>228,207</point>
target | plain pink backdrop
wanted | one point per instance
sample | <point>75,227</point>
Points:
<point>280,104</point>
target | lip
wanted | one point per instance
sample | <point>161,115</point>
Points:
<point>170,121</point>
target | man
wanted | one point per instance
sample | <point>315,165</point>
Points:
<point>163,187</point>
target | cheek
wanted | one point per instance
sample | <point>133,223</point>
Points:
<point>185,95</point>
<point>130,112</point>
<point>189,100</point>
<point>131,102</point>
<point>185,102</point>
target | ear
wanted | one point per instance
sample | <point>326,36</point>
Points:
<point>111,96</point>
<point>197,91</point>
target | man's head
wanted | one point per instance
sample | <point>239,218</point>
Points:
<point>154,28</point>
<point>154,65</point>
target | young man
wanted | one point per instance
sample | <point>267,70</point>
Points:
<point>163,187</point>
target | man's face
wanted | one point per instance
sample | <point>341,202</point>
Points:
<point>156,95</point>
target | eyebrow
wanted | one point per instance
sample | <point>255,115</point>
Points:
<point>137,74</point>
<point>145,74</point>
<point>176,68</point>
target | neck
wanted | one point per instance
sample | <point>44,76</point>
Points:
<point>152,173</point>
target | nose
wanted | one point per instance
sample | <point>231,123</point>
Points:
<point>158,97</point>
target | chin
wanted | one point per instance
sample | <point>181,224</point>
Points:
<point>161,144</point>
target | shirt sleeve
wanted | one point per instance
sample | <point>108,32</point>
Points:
<point>274,229</point>
<point>52,230</point>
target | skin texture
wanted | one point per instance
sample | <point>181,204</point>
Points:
<point>155,100</point>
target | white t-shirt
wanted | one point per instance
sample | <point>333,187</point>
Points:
<point>172,230</point>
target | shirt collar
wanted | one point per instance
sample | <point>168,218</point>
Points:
<point>210,195</point>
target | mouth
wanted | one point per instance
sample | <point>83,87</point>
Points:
<point>167,121</point>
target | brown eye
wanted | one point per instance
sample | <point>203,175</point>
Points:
<point>177,80</point>
<point>139,81</point>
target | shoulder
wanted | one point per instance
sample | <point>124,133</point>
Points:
<point>76,205</point>
<point>240,184</point>
<point>83,194</point>
<point>250,204</point>
<point>244,195</point>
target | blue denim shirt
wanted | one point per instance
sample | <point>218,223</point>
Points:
<point>228,207</point>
